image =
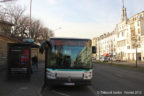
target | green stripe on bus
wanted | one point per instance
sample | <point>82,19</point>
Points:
<point>50,69</point>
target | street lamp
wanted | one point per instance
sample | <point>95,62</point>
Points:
<point>136,46</point>
<point>30,17</point>
<point>58,28</point>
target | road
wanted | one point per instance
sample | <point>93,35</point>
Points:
<point>108,81</point>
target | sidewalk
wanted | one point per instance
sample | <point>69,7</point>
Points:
<point>22,87</point>
<point>139,63</point>
<point>2,67</point>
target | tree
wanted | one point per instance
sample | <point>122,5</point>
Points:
<point>35,29</point>
<point>23,27</point>
<point>16,15</point>
<point>46,33</point>
<point>38,32</point>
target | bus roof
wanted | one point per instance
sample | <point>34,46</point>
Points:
<point>65,38</point>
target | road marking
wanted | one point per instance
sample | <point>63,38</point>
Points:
<point>60,93</point>
<point>94,92</point>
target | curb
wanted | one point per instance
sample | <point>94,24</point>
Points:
<point>41,89</point>
<point>117,64</point>
<point>124,66</point>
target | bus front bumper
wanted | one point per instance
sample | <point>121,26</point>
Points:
<point>73,82</point>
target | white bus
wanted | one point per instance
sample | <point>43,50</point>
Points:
<point>68,61</point>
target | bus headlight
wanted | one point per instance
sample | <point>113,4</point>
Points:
<point>51,75</point>
<point>87,75</point>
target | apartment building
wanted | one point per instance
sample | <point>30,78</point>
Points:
<point>94,43</point>
<point>106,45</point>
<point>5,27</point>
<point>127,36</point>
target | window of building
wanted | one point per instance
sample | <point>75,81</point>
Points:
<point>139,38</point>
<point>128,47</point>
<point>124,43</point>
<point>138,31</point>
<point>138,23</point>
<point>118,35</point>
<point>122,33</point>
<point>141,15</point>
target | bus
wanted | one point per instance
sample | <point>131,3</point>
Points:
<point>68,61</point>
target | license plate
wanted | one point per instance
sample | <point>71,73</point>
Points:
<point>69,84</point>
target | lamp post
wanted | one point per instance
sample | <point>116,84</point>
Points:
<point>57,28</point>
<point>99,50</point>
<point>136,55</point>
<point>136,46</point>
<point>30,18</point>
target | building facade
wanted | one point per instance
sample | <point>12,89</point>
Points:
<point>129,33</point>
<point>106,45</point>
<point>125,40</point>
<point>94,43</point>
<point>5,28</point>
<point>4,40</point>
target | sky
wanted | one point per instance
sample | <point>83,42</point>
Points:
<point>81,18</point>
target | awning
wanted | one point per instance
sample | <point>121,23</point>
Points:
<point>105,54</point>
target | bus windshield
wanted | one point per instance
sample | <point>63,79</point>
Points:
<point>70,53</point>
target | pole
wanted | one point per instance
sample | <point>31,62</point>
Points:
<point>99,50</point>
<point>136,56</point>
<point>136,45</point>
<point>111,51</point>
<point>30,18</point>
<point>58,28</point>
<point>123,2</point>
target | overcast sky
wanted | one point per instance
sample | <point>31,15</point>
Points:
<point>81,18</point>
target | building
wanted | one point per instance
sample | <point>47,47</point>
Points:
<point>125,40</point>
<point>4,40</point>
<point>129,33</point>
<point>106,45</point>
<point>5,28</point>
<point>142,48</point>
<point>94,43</point>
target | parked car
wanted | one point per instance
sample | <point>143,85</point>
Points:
<point>104,59</point>
<point>93,58</point>
<point>97,58</point>
<point>113,59</point>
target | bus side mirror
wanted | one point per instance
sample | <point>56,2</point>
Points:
<point>93,49</point>
<point>45,45</point>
